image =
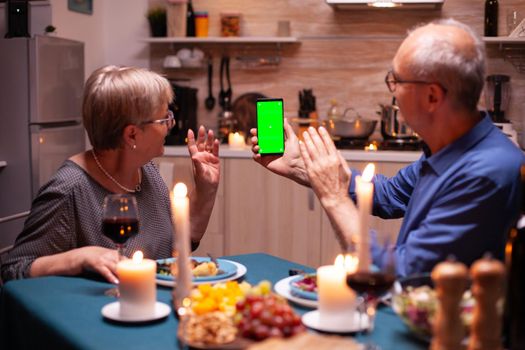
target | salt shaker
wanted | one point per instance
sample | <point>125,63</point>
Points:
<point>488,281</point>
<point>450,280</point>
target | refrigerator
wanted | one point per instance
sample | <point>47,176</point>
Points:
<point>41,86</point>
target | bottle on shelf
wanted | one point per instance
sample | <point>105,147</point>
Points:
<point>190,20</point>
<point>514,321</point>
<point>491,17</point>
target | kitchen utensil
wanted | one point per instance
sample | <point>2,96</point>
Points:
<point>210,100</point>
<point>244,111</point>
<point>222,92</point>
<point>228,93</point>
<point>497,96</point>
<point>356,127</point>
<point>306,103</point>
<point>392,124</point>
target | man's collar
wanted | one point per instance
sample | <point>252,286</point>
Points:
<point>448,155</point>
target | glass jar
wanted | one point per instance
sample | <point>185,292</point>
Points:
<point>201,24</point>
<point>230,24</point>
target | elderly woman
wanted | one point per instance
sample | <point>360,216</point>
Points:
<point>126,116</point>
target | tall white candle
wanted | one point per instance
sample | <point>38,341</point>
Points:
<point>137,285</point>
<point>336,299</point>
<point>365,195</point>
<point>181,210</point>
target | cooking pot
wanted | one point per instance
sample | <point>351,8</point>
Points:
<point>356,128</point>
<point>393,125</point>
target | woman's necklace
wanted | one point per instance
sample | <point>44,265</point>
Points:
<point>138,188</point>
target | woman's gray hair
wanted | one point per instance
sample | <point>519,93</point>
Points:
<point>460,70</point>
<point>115,97</point>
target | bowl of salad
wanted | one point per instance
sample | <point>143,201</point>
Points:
<point>414,300</point>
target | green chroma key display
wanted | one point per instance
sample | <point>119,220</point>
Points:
<point>270,126</point>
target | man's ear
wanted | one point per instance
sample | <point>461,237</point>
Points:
<point>435,97</point>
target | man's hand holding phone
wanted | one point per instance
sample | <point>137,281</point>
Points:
<point>289,164</point>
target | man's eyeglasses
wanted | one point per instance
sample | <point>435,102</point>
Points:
<point>169,121</point>
<point>391,81</point>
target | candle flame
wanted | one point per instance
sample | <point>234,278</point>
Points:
<point>138,256</point>
<point>368,173</point>
<point>351,263</point>
<point>180,190</point>
<point>339,261</point>
<point>371,147</point>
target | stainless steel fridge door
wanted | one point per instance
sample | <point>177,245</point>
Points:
<point>56,79</point>
<point>50,147</point>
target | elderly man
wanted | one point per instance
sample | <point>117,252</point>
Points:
<point>461,196</point>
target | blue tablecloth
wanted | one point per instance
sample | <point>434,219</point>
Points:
<point>64,312</point>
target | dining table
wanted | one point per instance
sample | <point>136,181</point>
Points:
<point>59,312</point>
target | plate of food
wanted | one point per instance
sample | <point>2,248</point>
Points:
<point>304,286</point>
<point>203,270</point>
<point>414,300</point>
<point>284,289</point>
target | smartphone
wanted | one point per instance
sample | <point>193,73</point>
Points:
<point>270,126</point>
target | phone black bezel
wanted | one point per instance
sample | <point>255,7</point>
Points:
<point>257,114</point>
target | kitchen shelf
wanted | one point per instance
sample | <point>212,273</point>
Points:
<point>513,49</point>
<point>400,4</point>
<point>224,40</point>
<point>503,40</point>
<point>245,41</point>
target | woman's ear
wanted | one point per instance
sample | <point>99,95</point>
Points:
<point>129,136</point>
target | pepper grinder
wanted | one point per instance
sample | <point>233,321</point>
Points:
<point>450,279</point>
<point>488,280</point>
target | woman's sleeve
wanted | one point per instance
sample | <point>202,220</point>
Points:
<point>49,229</point>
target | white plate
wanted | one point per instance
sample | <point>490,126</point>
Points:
<point>112,311</point>
<point>282,287</point>
<point>241,271</point>
<point>312,320</point>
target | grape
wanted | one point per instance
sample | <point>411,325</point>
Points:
<point>267,316</point>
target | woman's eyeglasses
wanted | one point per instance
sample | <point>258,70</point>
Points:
<point>391,81</point>
<point>169,121</point>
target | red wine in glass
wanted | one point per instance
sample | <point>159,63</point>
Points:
<point>374,284</point>
<point>120,219</point>
<point>119,230</point>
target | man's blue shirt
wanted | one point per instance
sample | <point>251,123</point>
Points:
<point>460,201</point>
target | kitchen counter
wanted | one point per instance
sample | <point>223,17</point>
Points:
<point>350,155</point>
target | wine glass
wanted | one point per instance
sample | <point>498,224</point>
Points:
<point>120,222</point>
<point>373,282</point>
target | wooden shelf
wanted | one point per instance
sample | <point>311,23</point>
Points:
<point>398,4</point>
<point>513,49</point>
<point>503,40</point>
<point>224,40</point>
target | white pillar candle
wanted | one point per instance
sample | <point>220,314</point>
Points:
<point>137,285</point>
<point>181,217</point>
<point>365,195</point>
<point>236,140</point>
<point>336,299</point>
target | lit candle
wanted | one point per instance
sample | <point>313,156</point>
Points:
<point>236,140</point>
<point>180,214</point>
<point>336,299</point>
<point>137,285</point>
<point>365,195</point>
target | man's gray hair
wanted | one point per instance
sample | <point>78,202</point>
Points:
<point>461,71</point>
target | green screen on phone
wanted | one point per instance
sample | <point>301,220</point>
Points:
<point>270,127</point>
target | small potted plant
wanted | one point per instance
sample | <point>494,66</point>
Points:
<point>157,21</point>
<point>50,30</point>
